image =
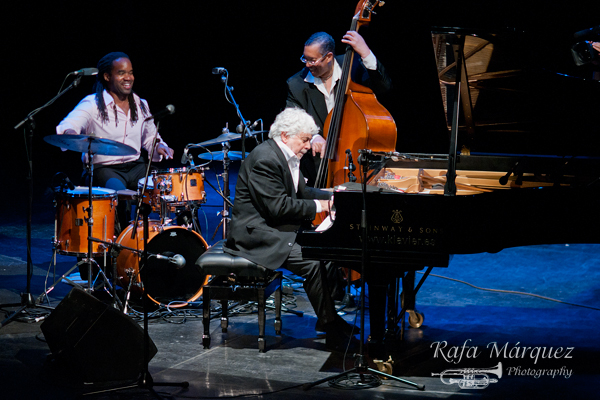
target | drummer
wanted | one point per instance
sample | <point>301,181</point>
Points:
<point>115,112</point>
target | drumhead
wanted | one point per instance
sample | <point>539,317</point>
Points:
<point>97,192</point>
<point>149,184</point>
<point>164,281</point>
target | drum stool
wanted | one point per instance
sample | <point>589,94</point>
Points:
<point>236,278</point>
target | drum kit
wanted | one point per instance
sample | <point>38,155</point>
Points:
<point>85,224</point>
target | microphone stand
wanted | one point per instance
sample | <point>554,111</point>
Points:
<point>230,99</point>
<point>141,197</point>
<point>27,299</point>
<point>348,300</point>
<point>450,185</point>
<point>360,366</point>
<point>145,381</point>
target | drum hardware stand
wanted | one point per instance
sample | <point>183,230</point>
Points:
<point>89,260</point>
<point>227,204</point>
<point>27,300</point>
<point>361,366</point>
<point>90,221</point>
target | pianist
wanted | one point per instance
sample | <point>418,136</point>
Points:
<point>271,202</point>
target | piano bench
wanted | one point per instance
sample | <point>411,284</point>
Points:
<point>239,279</point>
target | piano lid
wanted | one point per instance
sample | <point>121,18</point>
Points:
<point>528,96</point>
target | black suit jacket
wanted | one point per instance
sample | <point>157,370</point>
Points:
<point>268,211</point>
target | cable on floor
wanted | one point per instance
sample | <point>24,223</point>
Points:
<point>513,292</point>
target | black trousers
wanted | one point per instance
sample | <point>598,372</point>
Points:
<point>315,284</point>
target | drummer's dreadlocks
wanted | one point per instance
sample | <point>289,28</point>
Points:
<point>105,65</point>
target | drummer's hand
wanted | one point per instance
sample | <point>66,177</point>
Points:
<point>596,46</point>
<point>357,42</point>
<point>165,151</point>
<point>70,132</point>
<point>318,145</point>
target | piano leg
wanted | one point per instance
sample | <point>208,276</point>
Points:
<point>385,300</point>
<point>408,299</point>
<point>378,292</point>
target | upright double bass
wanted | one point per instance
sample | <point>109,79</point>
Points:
<point>357,120</point>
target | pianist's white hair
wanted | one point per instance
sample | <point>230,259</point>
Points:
<point>293,121</point>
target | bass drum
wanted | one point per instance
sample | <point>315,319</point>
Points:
<point>166,283</point>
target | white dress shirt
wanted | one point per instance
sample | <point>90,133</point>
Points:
<point>294,165</point>
<point>370,62</point>
<point>85,119</point>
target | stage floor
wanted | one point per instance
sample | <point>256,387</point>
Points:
<point>494,344</point>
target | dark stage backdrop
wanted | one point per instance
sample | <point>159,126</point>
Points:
<point>175,44</point>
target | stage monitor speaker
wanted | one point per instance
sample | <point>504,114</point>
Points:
<point>97,342</point>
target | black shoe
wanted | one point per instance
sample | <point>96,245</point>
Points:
<point>341,323</point>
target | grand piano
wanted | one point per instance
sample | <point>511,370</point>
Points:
<point>422,208</point>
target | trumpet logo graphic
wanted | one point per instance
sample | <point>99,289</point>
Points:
<point>470,378</point>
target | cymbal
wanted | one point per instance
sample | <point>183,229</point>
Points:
<point>85,143</point>
<point>230,136</point>
<point>225,137</point>
<point>218,155</point>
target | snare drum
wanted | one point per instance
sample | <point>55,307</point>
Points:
<point>71,228</point>
<point>165,282</point>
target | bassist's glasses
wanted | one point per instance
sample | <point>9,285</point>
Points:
<point>310,63</point>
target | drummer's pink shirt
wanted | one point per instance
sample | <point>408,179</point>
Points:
<point>85,119</point>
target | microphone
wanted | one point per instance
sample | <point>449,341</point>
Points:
<point>168,110</point>
<point>504,179</point>
<point>240,127</point>
<point>363,156</point>
<point>177,259</point>
<point>351,166</point>
<point>85,72</point>
<point>69,183</point>
<point>219,71</point>
<point>65,180</point>
<point>185,158</point>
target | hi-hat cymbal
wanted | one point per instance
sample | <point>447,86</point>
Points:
<point>93,144</point>
<point>225,137</point>
<point>218,155</point>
